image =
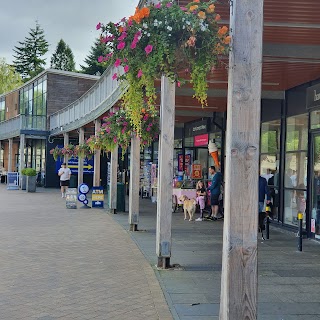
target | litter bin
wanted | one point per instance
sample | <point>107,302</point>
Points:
<point>120,197</point>
<point>73,181</point>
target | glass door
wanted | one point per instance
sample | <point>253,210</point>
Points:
<point>315,189</point>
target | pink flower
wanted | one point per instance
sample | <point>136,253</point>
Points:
<point>130,23</point>
<point>140,73</point>
<point>169,4</point>
<point>121,45</point>
<point>158,5</point>
<point>148,49</point>
<point>123,36</point>
<point>183,8</point>
<point>115,76</point>
<point>126,68</point>
<point>148,129</point>
<point>137,35</point>
<point>117,63</point>
<point>100,59</point>
<point>123,131</point>
<point>179,84</point>
<point>125,60</point>
<point>98,26</point>
<point>133,45</point>
<point>115,140</point>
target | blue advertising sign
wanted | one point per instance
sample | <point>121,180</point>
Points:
<point>73,164</point>
<point>97,197</point>
<point>12,180</point>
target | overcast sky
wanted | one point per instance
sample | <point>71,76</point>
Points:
<point>74,21</point>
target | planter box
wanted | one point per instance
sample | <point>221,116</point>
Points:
<point>31,183</point>
<point>23,182</point>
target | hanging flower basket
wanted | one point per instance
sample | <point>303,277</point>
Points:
<point>164,39</point>
<point>56,153</point>
<point>83,151</point>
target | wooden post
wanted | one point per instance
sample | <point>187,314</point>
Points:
<point>65,143</point>
<point>10,155</point>
<point>239,259</point>
<point>80,161</point>
<point>113,181</point>
<point>165,176</point>
<point>96,160</point>
<point>22,160</point>
<point>134,183</point>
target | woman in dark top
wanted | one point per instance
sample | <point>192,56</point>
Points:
<point>201,198</point>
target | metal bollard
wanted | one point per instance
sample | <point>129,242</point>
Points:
<point>267,228</point>
<point>300,218</point>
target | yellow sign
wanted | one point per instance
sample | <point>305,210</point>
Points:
<point>97,197</point>
<point>84,167</point>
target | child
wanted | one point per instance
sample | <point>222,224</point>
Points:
<point>201,198</point>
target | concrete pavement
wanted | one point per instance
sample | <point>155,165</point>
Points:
<point>58,263</point>
<point>289,281</point>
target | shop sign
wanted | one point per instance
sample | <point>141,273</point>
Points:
<point>71,198</point>
<point>196,171</point>
<point>73,165</point>
<point>313,97</point>
<point>197,128</point>
<point>313,225</point>
<point>12,180</point>
<point>187,163</point>
<point>180,162</point>
<point>201,140</point>
<point>97,197</point>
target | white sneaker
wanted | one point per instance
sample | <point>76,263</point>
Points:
<point>199,219</point>
<point>62,195</point>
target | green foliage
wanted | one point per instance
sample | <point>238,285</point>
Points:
<point>29,54</point>
<point>30,172</point>
<point>92,66</point>
<point>164,39</point>
<point>62,58</point>
<point>23,171</point>
<point>9,78</point>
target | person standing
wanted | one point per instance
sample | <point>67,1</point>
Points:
<point>64,173</point>
<point>201,198</point>
<point>215,190</point>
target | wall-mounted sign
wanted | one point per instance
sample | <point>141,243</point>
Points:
<point>73,164</point>
<point>313,225</point>
<point>187,164</point>
<point>201,140</point>
<point>180,162</point>
<point>196,171</point>
<point>313,97</point>
<point>197,128</point>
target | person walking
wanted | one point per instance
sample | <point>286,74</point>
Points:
<point>215,190</point>
<point>64,173</point>
<point>263,192</point>
<point>201,198</point>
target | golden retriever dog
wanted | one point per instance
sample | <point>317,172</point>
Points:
<point>189,205</point>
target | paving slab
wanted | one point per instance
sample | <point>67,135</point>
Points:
<point>58,263</point>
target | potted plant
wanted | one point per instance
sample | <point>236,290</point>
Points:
<point>23,179</point>
<point>31,179</point>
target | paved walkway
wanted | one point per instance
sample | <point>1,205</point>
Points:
<point>65,264</point>
<point>289,281</point>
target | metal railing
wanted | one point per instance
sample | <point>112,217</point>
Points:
<point>100,98</point>
<point>10,128</point>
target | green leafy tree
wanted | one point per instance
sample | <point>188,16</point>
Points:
<point>94,67</point>
<point>9,78</point>
<point>29,53</point>
<point>63,58</point>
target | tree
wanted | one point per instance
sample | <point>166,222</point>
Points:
<point>29,59</point>
<point>9,78</point>
<point>93,66</point>
<point>62,58</point>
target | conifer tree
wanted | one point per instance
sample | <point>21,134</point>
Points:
<point>29,60</point>
<point>93,67</point>
<point>63,58</point>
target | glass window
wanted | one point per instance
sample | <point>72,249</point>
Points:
<point>296,166</point>
<point>297,133</point>
<point>315,119</point>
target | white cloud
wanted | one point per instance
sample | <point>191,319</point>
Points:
<point>74,21</point>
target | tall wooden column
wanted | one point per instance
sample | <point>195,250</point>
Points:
<point>10,155</point>
<point>22,159</point>
<point>80,161</point>
<point>97,155</point>
<point>165,176</point>
<point>113,181</point>
<point>65,143</point>
<point>134,183</point>
<point>239,260</point>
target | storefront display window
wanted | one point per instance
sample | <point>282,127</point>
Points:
<point>315,119</point>
<point>296,166</point>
